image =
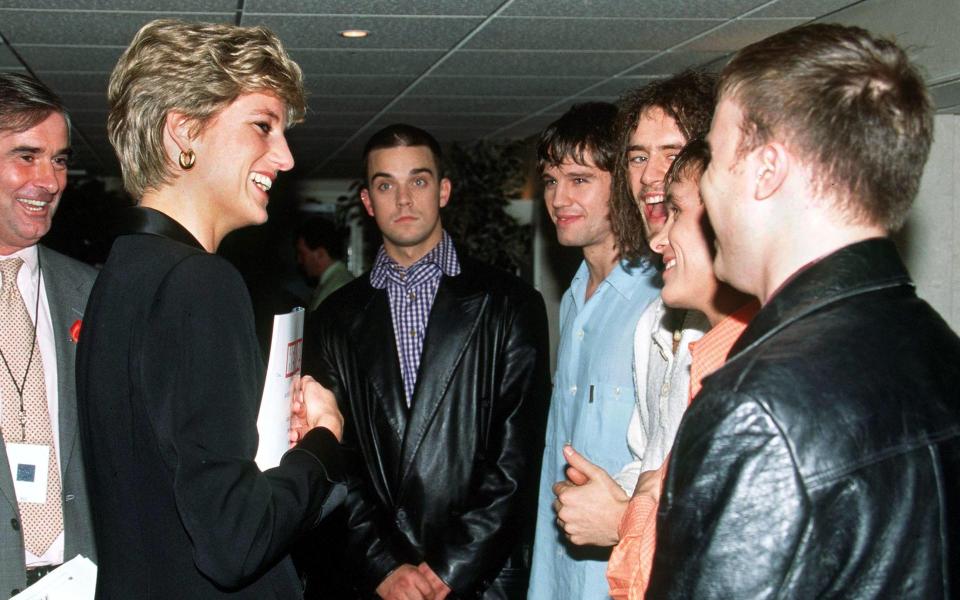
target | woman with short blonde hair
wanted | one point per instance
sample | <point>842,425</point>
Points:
<point>168,366</point>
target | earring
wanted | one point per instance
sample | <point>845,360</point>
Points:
<point>187,160</point>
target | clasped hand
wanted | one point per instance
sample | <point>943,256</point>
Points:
<point>408,582</point>
<point>313,405</point>
<point>589,503</point>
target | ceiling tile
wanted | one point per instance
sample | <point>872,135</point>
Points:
<point>615,87</point>
<point>64,83</point>
<point>502,86</point>
<point>321,100</point>
<point>674,62</point>
<point>517,72</point>
<point>649,9</point>
<point>430,121</point>
<point>809,9</point>
<point>389,62</point>
<point>69,58</point>
<point>736,34</point>
<point>561,107</point>
<point>585,34</point>
<point>386,32</point>
<point>72,28</point>
<point>466,8</point>
<point>204,6</point>
<point>377,85</point>
<point>458,134</point>
<point>318,131</point>
<point>471,104</point>
<point>343,119</point>
<point>526,128</point>
<point>8,62</point>
<point>85,101</point>
<point>595,64</point>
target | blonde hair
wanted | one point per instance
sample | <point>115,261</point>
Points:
<point>196,69</point>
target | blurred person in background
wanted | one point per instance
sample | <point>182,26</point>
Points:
<point>319,247</point>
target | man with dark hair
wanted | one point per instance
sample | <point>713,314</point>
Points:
<point>593,393</point>
<point>654,123</point>
<point>823,460</point>
<point>440,365</point>
<point>718,314</point>
<point>319,247</point>
<point>42,301</point>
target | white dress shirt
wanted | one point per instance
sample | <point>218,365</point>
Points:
<point>663,389</point>
<point>27,279</point>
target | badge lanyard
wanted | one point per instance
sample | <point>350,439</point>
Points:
<point>33,345</point>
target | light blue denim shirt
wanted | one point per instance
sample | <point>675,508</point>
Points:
<point>593,398</point>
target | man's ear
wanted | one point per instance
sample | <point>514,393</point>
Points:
<point>365,198</point>
<point>445,187</point>
<point>773,164</point>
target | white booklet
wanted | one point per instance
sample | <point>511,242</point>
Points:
<point>75,579</point>
<point>283,373</point>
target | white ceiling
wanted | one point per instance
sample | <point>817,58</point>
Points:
<point>463,69</point>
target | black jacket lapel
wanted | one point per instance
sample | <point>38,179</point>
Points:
<point>453,320</point>
<point>855,269</point>
<point>379,353</point>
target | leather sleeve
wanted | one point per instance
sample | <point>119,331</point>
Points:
<point>734,509</point>
<point>367,547</point>
<point>201,372</point>
<point>478,542</point>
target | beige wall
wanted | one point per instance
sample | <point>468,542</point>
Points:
<point>930,242</point>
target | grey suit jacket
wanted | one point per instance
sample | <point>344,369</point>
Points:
<point>67,283</point>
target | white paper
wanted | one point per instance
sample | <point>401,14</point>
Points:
<point>283,371</point>
<point>29,468</point>
<point>75,579</point>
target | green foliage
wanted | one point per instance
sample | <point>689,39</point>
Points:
<point>485,176</point>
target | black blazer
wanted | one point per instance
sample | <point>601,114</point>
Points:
<point>452,481</point>
<point>823,460</point>
<point>168,377</point>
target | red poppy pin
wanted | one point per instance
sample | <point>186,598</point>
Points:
<point>75,330</point>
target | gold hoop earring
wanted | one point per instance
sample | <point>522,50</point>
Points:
<point>187,160</point>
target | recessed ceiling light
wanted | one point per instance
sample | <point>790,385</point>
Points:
<point>354,33</point>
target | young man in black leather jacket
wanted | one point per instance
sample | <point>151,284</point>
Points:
<point>823,461</point>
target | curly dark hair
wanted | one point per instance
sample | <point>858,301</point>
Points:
<point>689,99</point>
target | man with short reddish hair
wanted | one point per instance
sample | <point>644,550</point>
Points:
<point>823,460</point>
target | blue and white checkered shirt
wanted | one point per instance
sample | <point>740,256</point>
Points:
<point>411,292</point>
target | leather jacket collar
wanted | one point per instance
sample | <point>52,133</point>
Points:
<point>140,219</point>
<point>855,269</point>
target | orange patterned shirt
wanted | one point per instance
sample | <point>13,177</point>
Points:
<point>628,571</point>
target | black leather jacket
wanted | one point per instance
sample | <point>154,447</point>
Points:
<point>823,461</point>
<point>451,481</point>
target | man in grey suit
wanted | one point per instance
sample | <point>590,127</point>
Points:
<point>44,510</point>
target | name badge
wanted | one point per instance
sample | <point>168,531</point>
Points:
<point>29,468</point>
